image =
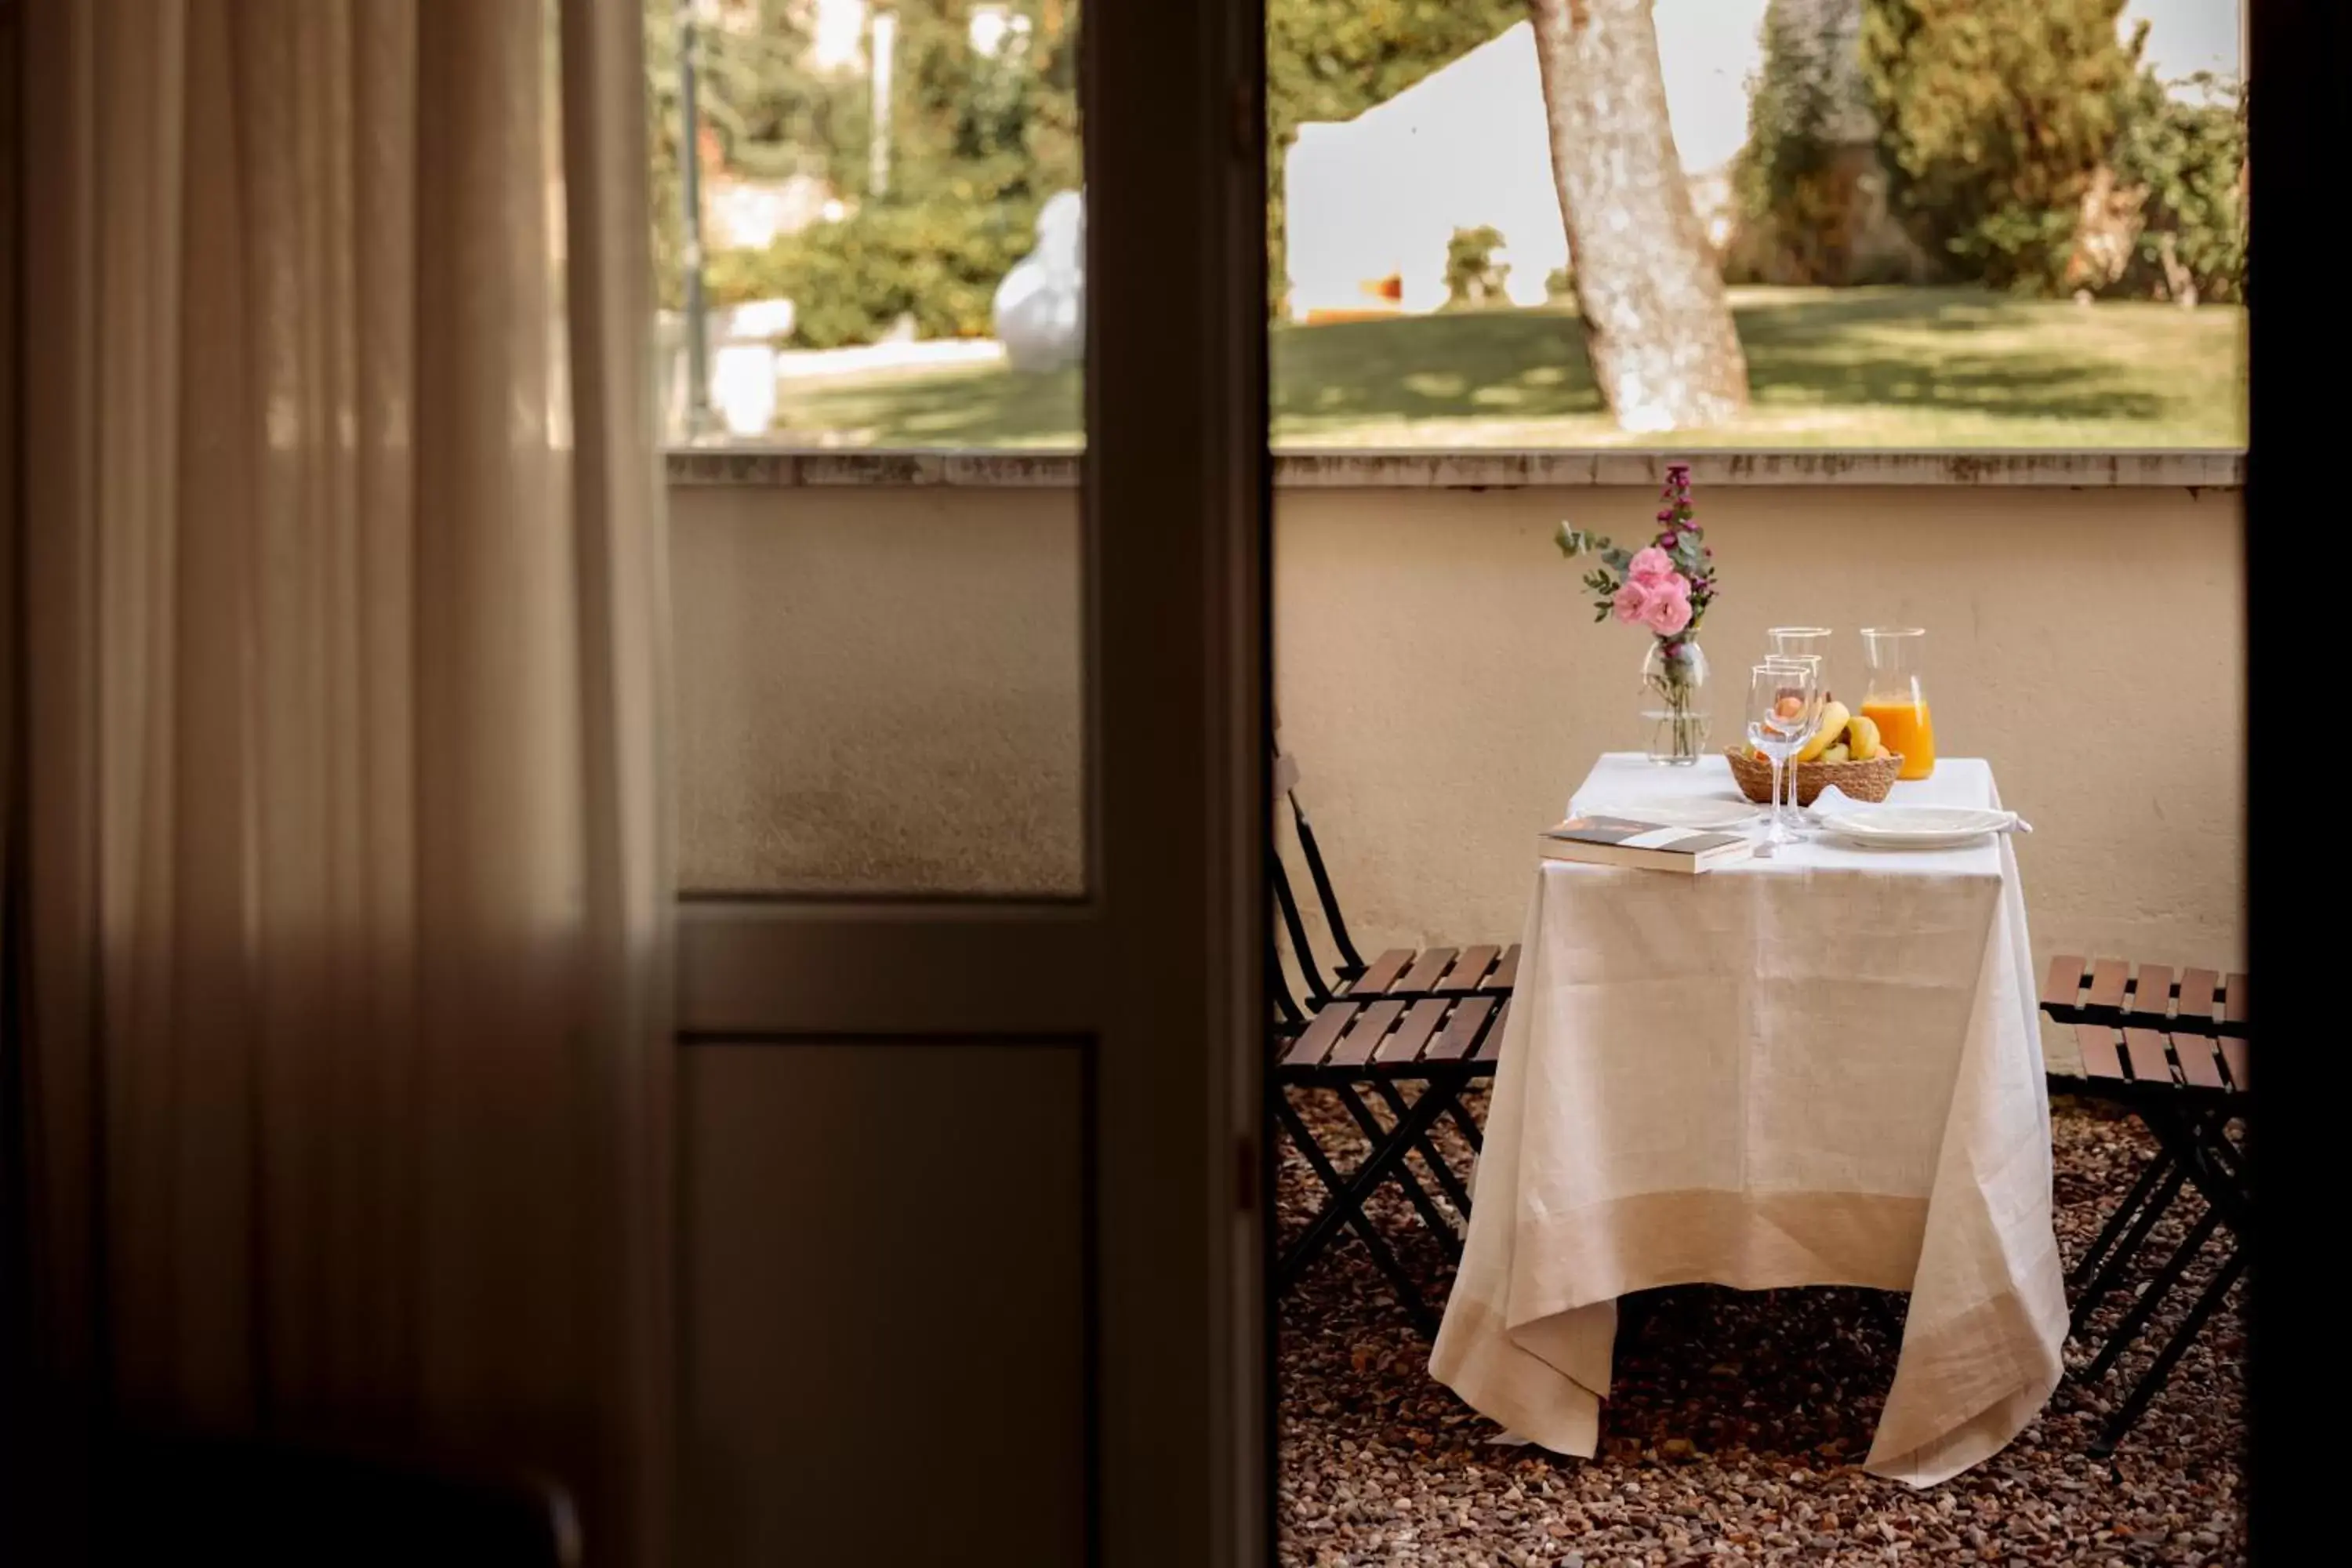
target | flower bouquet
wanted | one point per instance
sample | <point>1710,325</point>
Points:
<point>1666,586</point>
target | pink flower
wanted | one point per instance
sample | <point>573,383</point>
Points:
<point>1668,609</point>
<point>1652,566</point>
<point>1633,602</point>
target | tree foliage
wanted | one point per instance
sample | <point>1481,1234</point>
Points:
<point>967,126</point>
<point>1810,199</point>
<point>1805,102</point>
<point>1993,117</point>
<point>765,110</point>
<point>1473,276</point>
<point>2189,156</point>
<point>976,142</point>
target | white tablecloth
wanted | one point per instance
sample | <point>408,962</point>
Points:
<point>1824,1069</point>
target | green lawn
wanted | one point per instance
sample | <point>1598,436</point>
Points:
<point>1855,367</point>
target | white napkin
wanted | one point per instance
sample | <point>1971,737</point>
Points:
<point>1834,799</point>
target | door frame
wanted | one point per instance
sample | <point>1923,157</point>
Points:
<point>1157,967</point>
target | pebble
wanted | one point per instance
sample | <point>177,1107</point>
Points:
<point>1737,1426</point>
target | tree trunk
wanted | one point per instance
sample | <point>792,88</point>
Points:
<point>1655,321</point>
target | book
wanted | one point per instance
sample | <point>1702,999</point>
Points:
<point>1613,841</point>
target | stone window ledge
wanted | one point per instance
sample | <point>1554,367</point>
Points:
<point>1475,470</point>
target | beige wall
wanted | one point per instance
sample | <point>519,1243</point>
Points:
<point>1444,688</point>
<point>878,686</point>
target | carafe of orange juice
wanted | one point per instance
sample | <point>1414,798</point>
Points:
<point>1893,700</point>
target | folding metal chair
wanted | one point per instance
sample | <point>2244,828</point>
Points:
<point>2175,1054</point>
<point>1429,1020</point>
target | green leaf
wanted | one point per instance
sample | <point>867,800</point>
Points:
<point>1575,542</point>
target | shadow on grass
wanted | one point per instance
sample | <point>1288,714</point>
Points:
<point>1859,350</point>
<point>947,408</point>
<point>1893,350</point>
<point>1865,352</point>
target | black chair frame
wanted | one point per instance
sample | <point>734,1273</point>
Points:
<point>2176,1054</point>
<point>1429,1023</point>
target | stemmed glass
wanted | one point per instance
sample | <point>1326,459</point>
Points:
<point>1784,706</point>
<point>1811,664</point>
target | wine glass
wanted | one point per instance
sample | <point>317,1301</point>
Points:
<point>1811,664</point>
<point>1783,704</point>
<point>1802,639</point>
<point>1804,642</point>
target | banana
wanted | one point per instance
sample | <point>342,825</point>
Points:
<point>1862,738</point>
<point>1835,754</point>
<point>1834,718</point>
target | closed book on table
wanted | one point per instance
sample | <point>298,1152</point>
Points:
<point>1612,841</point>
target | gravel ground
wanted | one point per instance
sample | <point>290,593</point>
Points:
<point>1738,1426</point>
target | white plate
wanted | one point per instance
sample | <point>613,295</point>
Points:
<point>1893,843</point>
<point>1914,827</point>
<point>1698,814</point>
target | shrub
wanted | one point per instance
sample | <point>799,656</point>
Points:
<point>1473,276</point>
<point>1808,193</point>
<point>1993,117</point>
<point>2189,159</point>
<point>1799,116</point>
<point>937,260</point>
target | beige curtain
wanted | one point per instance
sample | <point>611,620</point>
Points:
<point>339,652</point>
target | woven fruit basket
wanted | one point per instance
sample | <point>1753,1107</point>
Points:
<point>1867,781</point>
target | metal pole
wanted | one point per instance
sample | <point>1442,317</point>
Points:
<point>697,344</point>
<point>885,40</point>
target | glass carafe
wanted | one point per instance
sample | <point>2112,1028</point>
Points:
<point>1894,698</point>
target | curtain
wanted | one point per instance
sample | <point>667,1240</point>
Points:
<point>340,862</point>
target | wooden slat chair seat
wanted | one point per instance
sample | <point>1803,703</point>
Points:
<point>2172,1047</point>
<point>1427,1020</point>
<point>1411,1013</point>
<point>2116,992</point>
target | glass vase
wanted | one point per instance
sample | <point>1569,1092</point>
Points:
<point>1673,701</point>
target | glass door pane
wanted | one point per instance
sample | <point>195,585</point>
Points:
<point>871,275</point>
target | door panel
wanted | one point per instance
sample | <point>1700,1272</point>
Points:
<point>886,1270</point>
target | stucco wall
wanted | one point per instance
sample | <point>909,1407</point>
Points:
<point>879,685</point>
<point>1444,688</point>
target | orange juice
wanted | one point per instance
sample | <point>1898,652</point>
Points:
<point>1905,727</point>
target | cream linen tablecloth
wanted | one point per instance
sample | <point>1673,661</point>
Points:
<point>1824,1069</point>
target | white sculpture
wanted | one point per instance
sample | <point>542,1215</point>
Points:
<point>1041,306</point>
